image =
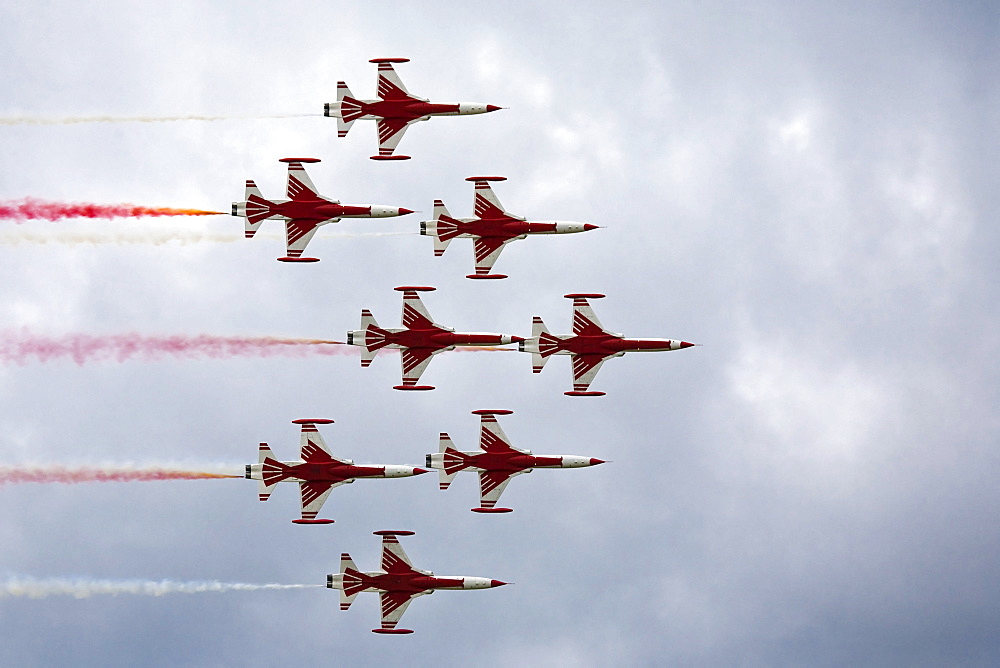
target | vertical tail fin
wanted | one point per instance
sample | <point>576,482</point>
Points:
<point>257,210</point>
<point>271,472</point>
<point>446,475</point>
<point>351,581</point>
<point>542,344</point>
<point>254,208</point>
<point>374,337</point>
<point>347,109</point>
<point>443,228</point>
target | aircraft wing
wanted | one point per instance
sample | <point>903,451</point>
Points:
<point>491,436</point>
<point>314,495</point>
<point>394,604</point>
<point>491,486</point>
<point>485,203</point>
<point>299,186</point>
<point>312,447</point>
<point>415,362</point>
<point>584,319</point>
<point>298,233</point>
<point>487,251</point>
<point>415,314</point>
<point>394,559</point>
<point>388,85</point>
<point>390,132</point>
<point>585,368</point>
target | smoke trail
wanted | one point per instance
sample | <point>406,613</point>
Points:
<point>30,208</point>
<point>68,475</point>
<point>24,586</point>
<point>22,347</point>
<point>159,237</point>
<point>41,120</point>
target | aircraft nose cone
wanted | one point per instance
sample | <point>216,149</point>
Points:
<point>492,107</point>
<point>498,583</point>
<point>685,344</point>
<point>595,462</point>
<point>590,226</point>
<point>403,211</point>
<point>417,471</point>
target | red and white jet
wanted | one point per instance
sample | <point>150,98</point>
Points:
<point>497,461</point>
<point>420,339</point>
<point>491,228</point>
<point>304,211</point>
<point>394,109</point>
<point>590,344</point>
<point>397,583</point>
<point>317,473</point>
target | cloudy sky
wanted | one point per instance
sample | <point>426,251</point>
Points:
<point>807,189</point>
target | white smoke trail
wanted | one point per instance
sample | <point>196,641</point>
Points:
<point>66,120</point>
<point>29,587</point>
<point>114,472</point>
<point>157,238</point>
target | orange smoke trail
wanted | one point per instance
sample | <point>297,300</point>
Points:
<point>183,237</point>
<point>30,208</point>
<point>23,346</point>
<point>69,476</point>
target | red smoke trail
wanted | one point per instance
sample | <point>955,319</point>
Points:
<point>65,475</point>
<point>22,347</point>
<point>30,208</point>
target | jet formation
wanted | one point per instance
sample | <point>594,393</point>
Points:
<point>397,583</point>
<point>304,211</point>
<point>394,110</point>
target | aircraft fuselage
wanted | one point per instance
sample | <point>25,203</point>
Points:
<point>436,338</point>
<point>604,344</point>
<point>413,109</point>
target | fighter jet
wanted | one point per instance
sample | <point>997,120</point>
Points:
<point>394,109</point>
<point>397,583</point>
<point>317,473</point>
<point>496,462</point>
<point>419,340</point>
<point>304,210</point>
<point>491,229</point>
<point>589,344</point>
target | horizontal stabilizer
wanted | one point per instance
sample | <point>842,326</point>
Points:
<point>264,491</point>
<point>367,320</point>
<point>440,210</point>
